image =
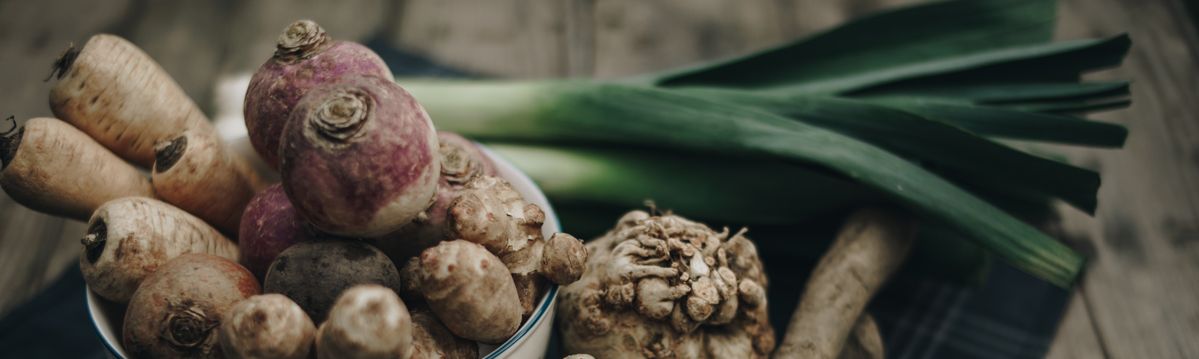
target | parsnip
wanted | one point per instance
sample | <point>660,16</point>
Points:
<point>129,238</point>
<point>51,167</point>
<point>198,174</point>
<point>868,249</point>
<point>118,95</point>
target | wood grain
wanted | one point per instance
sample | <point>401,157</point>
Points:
<point>1137,301</point>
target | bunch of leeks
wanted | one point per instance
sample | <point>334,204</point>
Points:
<point>907,107</point>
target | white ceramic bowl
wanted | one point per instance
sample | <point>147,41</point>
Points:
<point>530,340</point>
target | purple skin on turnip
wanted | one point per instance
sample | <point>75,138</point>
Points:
<point>305,57</point>
<point>461,161</point>
<point>360,157</point>
<point>269,225</point>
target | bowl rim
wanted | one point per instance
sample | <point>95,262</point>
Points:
<point>508,171</point>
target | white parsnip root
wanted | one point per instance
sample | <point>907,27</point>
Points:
<point>52,167</point>
<point>196,173</point>
<point>869,248</point>
<point>662,286</point>
<point>865,341</point>
<point>129,238</point>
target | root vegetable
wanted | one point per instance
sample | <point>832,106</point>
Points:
<point>663,286</point>
<point>360,157</point>
<point>269,226</point>
<point>461,161</point>
<point>367,321</point>
<point>176,312</point>
<point>864,342</point>
<point>266,326</point>
<point>129,238</point>
<point>52,167</point>
<point>468,288</point>
<point>119,96</point>
<point>870,246</point>
<point>432,340</point>
<point>314,273</point>
<point>490,212</point>
<point>196,173</point>
<point>305,58</point>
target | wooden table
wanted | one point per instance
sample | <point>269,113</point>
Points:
<point>1140,298</point>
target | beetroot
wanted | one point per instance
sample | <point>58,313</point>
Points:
<point>360,157</point>
<point>461,161</point>
<point>269,225</point>
<point>305,57</point>
<point>314,273</point>
<point>177,309</point>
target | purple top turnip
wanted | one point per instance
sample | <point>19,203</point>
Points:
<point>305,58</point>
<point>268,226</point>
<point>360,157</point>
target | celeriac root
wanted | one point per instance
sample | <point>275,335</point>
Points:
<point>51,167</point>
<point>869,248</point>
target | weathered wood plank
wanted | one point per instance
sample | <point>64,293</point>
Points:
<point>1140,289</point>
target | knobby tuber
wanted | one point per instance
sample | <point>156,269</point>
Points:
<point>869,247</point>
<point>663,286</point>
<point>264,327</point>
<point>360,157</point>
<point>269,226</point>
<point>461,161</point>
<point>468,288</point>
<point>305,57</point>
<point>176,312</point>
<point>314,273</point>
<point>52,167</point>
<point>129,238</point>
<point>367,321</point>
<point>196,173</point>
<point>432,340</point>
<point>490,212</point>
<point>119,96</point>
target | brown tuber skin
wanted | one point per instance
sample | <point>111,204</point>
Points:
<point>305,58</point>
<point>314,273</point>
<point>176,312</point>
<point>367,321</point>
<point>664,286</point>
<point>432,340</point>
<point>196,173</point>
<point>119,96</point>
<point>130,238</point>
<point>266,326</point>
<point>490,212</point>
<point>461,161</point>
<point>52,167</point>
<point>360,157</point>
<point>868,249</point>
<point>468,288</point>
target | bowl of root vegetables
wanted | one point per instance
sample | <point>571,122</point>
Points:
<point>353,229</point>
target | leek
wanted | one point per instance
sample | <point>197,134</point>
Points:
<point>907,106</point>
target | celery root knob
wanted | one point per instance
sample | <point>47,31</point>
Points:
<point>300,40</point>
<point>9,141</point>
<point>167,153</point>
<point>341,115</point>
